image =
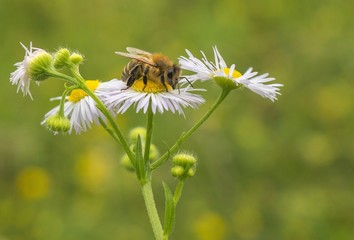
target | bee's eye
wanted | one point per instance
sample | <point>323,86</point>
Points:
<point>170,73</point>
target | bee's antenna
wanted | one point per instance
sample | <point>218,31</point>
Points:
<point>187,81</point>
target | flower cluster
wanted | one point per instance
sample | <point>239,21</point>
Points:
<point>82,110</point>
<point>84,103</point>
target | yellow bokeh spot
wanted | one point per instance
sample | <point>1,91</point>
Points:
<point>93,170</point>
<point>78,94</point>
<point>33,183</point>
<point>235,73</point>
<point>209,226</point>
<point>150,87</point>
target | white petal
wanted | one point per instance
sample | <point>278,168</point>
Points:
<point>120,101</point>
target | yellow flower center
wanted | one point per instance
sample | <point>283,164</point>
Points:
<point>78,94</point>
<point>235,74</point>
<point>226,82</point>
<point>151,86</point>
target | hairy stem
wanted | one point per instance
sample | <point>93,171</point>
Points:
<point>151,209</point>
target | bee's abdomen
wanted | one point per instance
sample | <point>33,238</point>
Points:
<point>126,70</point>
<point>131,70</point>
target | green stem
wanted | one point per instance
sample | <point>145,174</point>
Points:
<point>148,134</point>
<point>151,209</point>
<point>111,120</point>
<point>62,102</point>
<point>109,130</point>
<point>184,136</point>
<point>76,73</point>
<point>65,77</point>
<point>178,192</point>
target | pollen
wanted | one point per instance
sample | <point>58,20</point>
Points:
<point>78,94</point>
<point>235,74</point>
<point>151,86</point>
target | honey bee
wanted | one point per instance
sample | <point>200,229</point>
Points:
<point>152,66</point>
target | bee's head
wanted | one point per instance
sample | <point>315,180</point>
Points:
<point>172,75</point>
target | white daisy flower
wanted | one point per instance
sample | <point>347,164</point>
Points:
<point>207,70</point>
<point>80,109</point>
<point>22,76</point>
<point>117,97</point>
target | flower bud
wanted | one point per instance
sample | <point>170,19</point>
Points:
<point>154,152</point>
<point>40,65</point>
<point>185,165</point>
<point>191,171</point>
<point>184,159</point>
<point>177,171</point>
<point>58,123</point>
<point>133,134</point>
<point>76,58</point>
<point>61,58</point>
<point>125,161</point>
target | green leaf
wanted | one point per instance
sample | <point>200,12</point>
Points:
<point>170,209</point>
<point>139,163</point>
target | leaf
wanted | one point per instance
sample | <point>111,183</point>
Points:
<point>140,163</point>
<point>169,210</point>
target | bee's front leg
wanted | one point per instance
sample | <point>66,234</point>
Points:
<point>145,79</point>
<point>162,78</point>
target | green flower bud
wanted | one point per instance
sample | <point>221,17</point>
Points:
<point>76,58</point>
<point>154,152</point>
<point>133,134</point>
<point>132,147</point>
<point>58,123</point>
<point>191,171</point>
<point>40,65</point>
<point>61,58</point>
<point>184,159</point>
<point>185,165</point>
<point>177,171</point>
<point>125,161</point>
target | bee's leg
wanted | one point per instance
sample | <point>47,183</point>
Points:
<point>133,75</point>
<point>145,79</point>
<point>162,78</point>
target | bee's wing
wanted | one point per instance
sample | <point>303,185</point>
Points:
<point>137,51</point>
<point>137,57</point>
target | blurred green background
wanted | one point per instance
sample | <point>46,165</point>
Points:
<point>282,170</point>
